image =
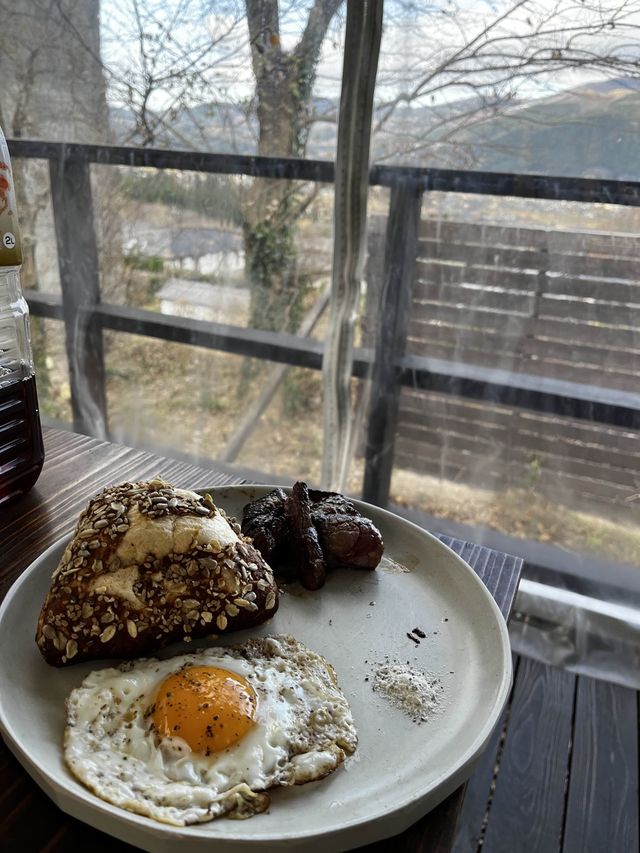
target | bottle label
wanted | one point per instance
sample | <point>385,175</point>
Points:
<point>10,246</point>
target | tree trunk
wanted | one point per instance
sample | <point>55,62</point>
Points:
<point>284,82</point>
<point>52,88</point>
<point>269,223</point>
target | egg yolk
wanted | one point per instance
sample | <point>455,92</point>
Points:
<point>209,708</point>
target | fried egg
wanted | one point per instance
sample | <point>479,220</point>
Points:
<point>206,734</point>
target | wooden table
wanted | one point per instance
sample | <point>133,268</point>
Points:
<point>75,468</point>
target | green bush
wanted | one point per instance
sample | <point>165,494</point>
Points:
<point>146,263</point>
<point>217,196</point>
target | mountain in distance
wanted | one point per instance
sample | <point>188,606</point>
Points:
<point>222,128</point>
<point>589,131</point>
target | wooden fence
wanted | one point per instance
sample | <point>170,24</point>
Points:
<point>548,303</point>
<point>397,371</point>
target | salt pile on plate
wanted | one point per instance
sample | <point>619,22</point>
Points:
<point>412,692</point>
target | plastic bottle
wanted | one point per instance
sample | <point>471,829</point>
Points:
<point>21,447</point>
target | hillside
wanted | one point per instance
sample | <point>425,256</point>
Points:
<point>589,131</point>
<point>586,132</point>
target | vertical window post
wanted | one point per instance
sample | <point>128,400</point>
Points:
<point>80,281</point>
<point>394,311</point>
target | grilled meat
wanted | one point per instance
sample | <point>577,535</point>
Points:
<point>348,539</point>
<point>265,522</point>
<point>310,531</point>
<point>304,543</point>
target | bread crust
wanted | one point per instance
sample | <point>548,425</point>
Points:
<point>150,564</point>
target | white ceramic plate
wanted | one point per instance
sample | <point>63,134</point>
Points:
<point>400,770</point>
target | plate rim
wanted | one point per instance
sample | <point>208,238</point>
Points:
<point>122,816</point>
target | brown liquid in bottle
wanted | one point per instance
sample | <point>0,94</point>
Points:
<point>21,449</point>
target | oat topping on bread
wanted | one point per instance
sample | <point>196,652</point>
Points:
<point>150,564</point>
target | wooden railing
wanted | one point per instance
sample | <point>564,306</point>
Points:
<point>539,301</point>
<point>388,361</point>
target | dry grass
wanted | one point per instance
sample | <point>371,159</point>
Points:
<point>189,398</point>
<point>519,512</point>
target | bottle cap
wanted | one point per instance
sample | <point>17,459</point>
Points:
<point>10,244</point>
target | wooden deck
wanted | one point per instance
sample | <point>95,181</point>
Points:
<point>560,774</point>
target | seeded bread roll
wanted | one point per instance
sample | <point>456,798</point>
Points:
<point>150,564</point>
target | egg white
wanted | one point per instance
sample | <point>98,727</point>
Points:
<point>303,731</point>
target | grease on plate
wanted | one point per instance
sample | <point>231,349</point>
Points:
<point>391,567</point>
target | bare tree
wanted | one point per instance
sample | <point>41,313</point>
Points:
<point>283,93</point>
<point>484,58</point>
<point>51,70</point>
<point>52,88</point>
<point>164,58</point>
<point>463,61</point>
<point>173,66</point>
<point>179,62</point>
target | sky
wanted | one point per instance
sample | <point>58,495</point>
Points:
<point>417,38</point>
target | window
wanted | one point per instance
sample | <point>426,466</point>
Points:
<point>494,389</point>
